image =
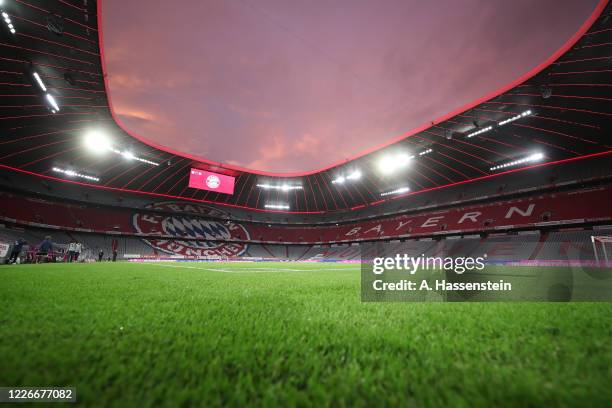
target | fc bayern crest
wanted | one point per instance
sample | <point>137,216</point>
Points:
<point>213,181</point>
<point>194,236</point>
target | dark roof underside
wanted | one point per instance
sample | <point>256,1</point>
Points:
<point>570,101</point>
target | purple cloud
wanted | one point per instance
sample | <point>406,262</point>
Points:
<point>288,86</point>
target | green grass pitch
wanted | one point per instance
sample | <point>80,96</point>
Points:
<point>288,334</point>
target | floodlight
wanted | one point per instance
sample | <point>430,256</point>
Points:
<point>515,117</point>
<point>277,206</point>
<point>389,164</point>
<point>483,130</point>
<point>39,81</point>
<point>52,102</point>
<point>528,159</point>
<point>356,175</point>
<point>400,190</point>
<point>283,187</point>
<point>97,142</point>
<point>72,173</point>
<point>536,157</point>
<point>386,165</point>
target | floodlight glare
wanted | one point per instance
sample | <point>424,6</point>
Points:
<point>390,164</point>
<point>339,180</point>
<point>536,157</point>
<point>386,165</point>
<point>277,206</point>
<point>52,102</point>
<point>97,142</point>
<point>128,155</point>
<point>39,81</point>
<point>356,175</point>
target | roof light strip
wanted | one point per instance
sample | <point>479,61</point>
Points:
<point>130,156</point>
<point>277,206</point>
<point>502,123</point>
<point>355,175</point>
<point>8,21</point>
<point>396,191</point>
<point>72,173</point>
<point>54,107</point>
<point>282,187</point>
<point>478,132</point>
<point>513,118</point>
<point>528,159</point>
<point>39,81</point>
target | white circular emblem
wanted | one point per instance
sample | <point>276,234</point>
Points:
<point>213,181</point>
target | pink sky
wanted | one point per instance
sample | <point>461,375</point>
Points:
<point>288,85</point>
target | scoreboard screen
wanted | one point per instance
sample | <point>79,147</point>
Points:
<point>207,180</point>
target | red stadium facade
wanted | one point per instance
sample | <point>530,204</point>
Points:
<point>544,210</point>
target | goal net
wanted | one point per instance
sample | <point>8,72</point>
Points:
<point>601,247</point>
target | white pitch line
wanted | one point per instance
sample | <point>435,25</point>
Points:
<point>242,270</point>
<point>299,270</point>
<point>195,267</point>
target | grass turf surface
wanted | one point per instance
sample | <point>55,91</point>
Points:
<point>161,335</point>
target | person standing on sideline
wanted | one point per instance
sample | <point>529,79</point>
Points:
<point>71,249</point>
<point>78,247</point>
<point>100,255</point>
<point>115,245</point>
<point>17,246</point>
<point>45,249</point>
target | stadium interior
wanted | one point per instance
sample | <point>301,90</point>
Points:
<point>523,175</point>
<point>544,135</point>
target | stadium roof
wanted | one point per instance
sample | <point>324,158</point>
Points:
<point>54,95</point>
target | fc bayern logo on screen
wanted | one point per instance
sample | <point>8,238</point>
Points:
<point>213,181</point>
<point>189,235</point>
